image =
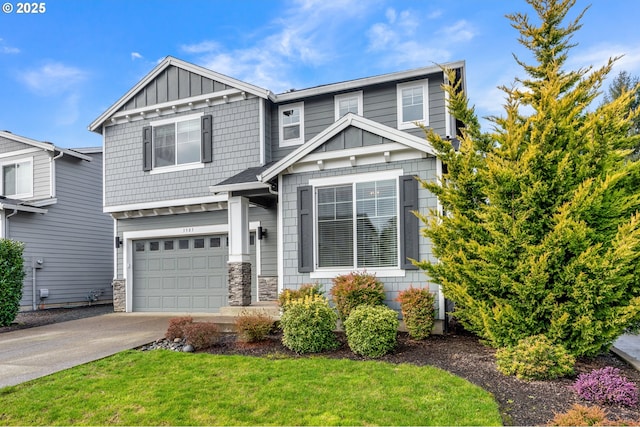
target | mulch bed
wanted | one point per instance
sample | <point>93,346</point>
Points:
<point>521,402</point>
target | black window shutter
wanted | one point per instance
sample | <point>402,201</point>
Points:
<point>207,138</point>
<point>305,229</point>
<point>409,232</point>
<point>147,151</point>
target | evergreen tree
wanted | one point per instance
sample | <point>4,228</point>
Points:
<point>622,83</point>
<point>540,232</point>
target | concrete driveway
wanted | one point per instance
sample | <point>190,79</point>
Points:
<point>35,352</point>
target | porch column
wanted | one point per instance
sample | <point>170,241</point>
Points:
<point>239,264</point>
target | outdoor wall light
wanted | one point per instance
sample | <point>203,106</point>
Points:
<point>118,241</point>
<point>262,233</point>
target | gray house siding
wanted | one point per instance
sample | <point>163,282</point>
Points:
<point>74,238</point>
<point>379,104</point>
<point>172,84</point>
<point>7,146</point>
<point>424,168</point>
<point>236,146</point>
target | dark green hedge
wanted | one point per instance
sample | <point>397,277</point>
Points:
<point>11,277</point>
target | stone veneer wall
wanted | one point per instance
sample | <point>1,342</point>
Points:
<point>119,295</point>
<point>239,283</point>
<point>267,288</point>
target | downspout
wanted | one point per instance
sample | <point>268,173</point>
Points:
<point>52,189</point>
<point>33,290</point>
<point>6,223</point>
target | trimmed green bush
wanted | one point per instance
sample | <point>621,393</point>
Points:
<point>372,330</point>
<point>308,325</point>
<point>417,306</point>
<point>354,289</point>
<point>289,295</point>
<point>11,277</point>
<point>535,358</point>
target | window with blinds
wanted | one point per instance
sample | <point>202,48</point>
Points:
<point>358,225</point>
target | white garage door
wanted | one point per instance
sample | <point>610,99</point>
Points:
<point>183,274</point>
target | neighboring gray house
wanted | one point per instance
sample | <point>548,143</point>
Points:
<point>224,193</point>
<point>51,200</point>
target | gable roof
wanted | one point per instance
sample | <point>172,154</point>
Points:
<point>348,120</point>
<point>47,146</point>
<point>367,81</point>
<point>164,64</point>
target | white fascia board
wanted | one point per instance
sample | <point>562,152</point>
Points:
<point>47,146</point>
<point>238,187</point>
<point>337,127</point>
<point>169,61</point>
<point>367,81</point>
<point>166,203</point>
<point>21,208</point>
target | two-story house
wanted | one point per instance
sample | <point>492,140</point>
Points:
<point>51,200</point>
<point>225,193</point>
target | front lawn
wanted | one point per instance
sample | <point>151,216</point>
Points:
<point>170,388</point>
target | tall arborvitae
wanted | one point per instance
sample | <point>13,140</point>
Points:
<point>540,231</point>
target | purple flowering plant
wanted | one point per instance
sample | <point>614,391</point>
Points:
<point>606,386</point>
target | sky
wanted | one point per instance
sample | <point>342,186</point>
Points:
<point>64,66</point>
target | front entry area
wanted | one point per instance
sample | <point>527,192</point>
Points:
<point>184,274</point>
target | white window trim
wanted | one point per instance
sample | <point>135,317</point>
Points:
<point>331,272</point>
<point>180,167</point>
<point>424,84</point>
<point>291,142</point>
<point>14,162</point>
<point>338,98</point>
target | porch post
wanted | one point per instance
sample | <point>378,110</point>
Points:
<point>239,265</point>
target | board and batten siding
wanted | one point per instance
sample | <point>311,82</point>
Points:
<point>74,238</point>
<point>424,168</point>
<point>379,104</point>
<point>172,84</point>
<point>236,147</point>
<point>266,217</point>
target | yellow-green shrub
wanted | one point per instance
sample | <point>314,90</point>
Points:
<point>308,325</point>
<point>535,358</point>
<point>289,295</point>
<point>372,330</point>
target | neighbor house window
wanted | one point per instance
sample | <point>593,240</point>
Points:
<point>348,103</point>
<point>17,179</point>
<point>357,225</point>
<point>177,144</point>
<point>291,119</point>
<point>412,99</point>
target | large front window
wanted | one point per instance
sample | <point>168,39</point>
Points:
<point>176,143</point>
<point>17,179</point>
<point>358,225</point>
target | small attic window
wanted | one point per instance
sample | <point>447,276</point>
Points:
<point>291,123</point>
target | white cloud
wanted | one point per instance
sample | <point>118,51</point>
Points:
<point>135,55</point>
<point>53,78</point>
<point>7,49</point>
<point>461,31</point>
<point>206,46</point>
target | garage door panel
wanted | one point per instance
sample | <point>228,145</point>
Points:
<point>182,274</point>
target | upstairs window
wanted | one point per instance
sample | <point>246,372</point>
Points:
<point>413,105</point>
<point>348,103</point>
<point>291,119</point>
<point>17,179</point>
<point>177,144</point>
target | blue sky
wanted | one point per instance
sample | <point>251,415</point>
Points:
<point>61,69</point>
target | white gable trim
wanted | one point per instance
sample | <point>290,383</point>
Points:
<point>402,138</point>
<point>167,62</point>
<point>46,146</point>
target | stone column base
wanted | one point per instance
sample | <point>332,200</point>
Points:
<point>239,283</point>
<point>267,288</point>
<point>119,295</point>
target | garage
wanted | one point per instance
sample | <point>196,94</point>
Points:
<point>183,274</point>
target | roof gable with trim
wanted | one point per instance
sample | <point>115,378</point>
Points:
<point>171,82</point>
<point>352,140</point>
<point>46,146</point>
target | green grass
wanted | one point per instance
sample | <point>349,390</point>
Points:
<point>170,388</point>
